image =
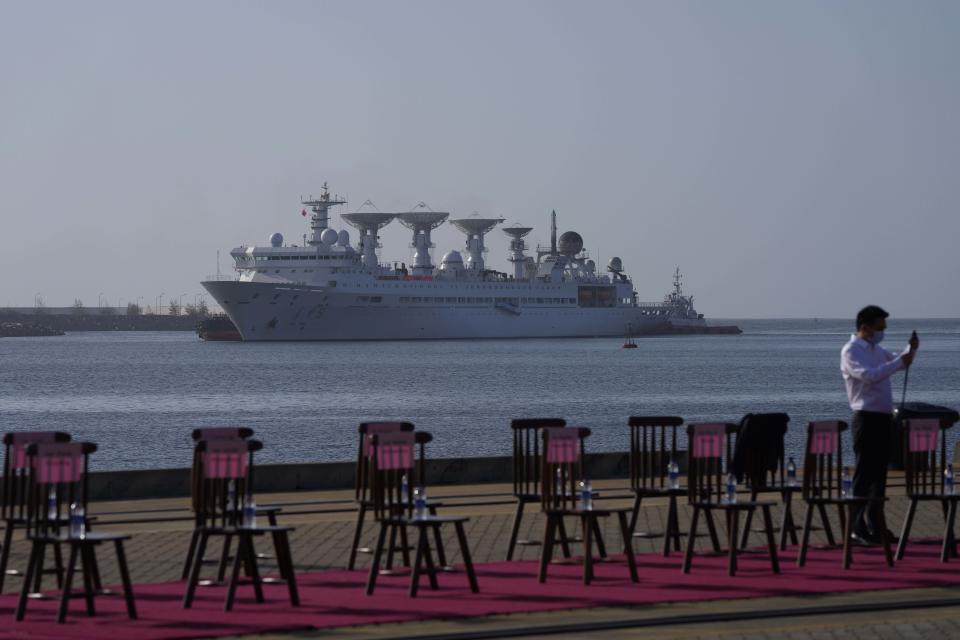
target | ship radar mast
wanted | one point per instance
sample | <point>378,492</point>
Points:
<point>320,219</point>
<point>517,246</point>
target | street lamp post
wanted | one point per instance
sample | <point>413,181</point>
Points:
<point>99,298</point>
<point>180,305</point>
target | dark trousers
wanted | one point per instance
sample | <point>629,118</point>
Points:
<point>872,433</point>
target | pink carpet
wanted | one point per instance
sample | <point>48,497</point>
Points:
<point>336,598</point>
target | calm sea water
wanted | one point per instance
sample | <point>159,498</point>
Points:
<point>139,394</point>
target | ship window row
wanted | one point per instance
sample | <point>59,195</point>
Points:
<point>470,300</point>
<point>321,257</point>
<point>373,299</point>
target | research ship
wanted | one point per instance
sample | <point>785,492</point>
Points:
<point>329,289</point>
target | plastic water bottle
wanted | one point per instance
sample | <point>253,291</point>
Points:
<point>419,503</point>
<point>948,484</point>
<point>558,484</point>
<point>846,484</point>
<point>52,504</point>
<point>673,475</point>
<point>249,512</point>
<point>791,473</point>
<point>78,521</point>
<point>231,496</point>
<point>731,489</point>
<point>404,489</point>
<point>586,495</point>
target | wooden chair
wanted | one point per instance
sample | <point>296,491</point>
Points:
<point>925,459</point>
<point>217,433</point>
<point>706,489</point>
<point>393,456</point>
<point>526,471</point>
<point>562,470</point>
<point>822,478</point>
<point>226,474</point>
<point>14,492</point>
<point>361,483</point>
<point>653,446</point>
<point>759,460</point>
<point>57,486</point>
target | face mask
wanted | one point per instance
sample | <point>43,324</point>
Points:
<point>877,337</point>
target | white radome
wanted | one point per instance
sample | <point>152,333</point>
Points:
<point>276,240</point>
<point>329,237</point>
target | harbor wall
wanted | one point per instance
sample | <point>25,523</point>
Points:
<point>278,478</point>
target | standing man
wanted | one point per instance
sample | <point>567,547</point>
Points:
<point>866,368</point>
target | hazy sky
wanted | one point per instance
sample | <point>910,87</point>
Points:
<point>793,158</point>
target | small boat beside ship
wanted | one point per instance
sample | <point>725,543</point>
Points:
<point>218,328</point>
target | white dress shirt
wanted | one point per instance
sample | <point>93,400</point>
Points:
<point>866,370</point>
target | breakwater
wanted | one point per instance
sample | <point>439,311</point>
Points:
<point>56,324</point>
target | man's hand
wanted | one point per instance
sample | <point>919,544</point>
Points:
<point>914,342</point>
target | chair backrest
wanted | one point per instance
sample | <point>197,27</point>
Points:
<point>758,457</point>
<point>393,456</point>
<point>561,466</point>
<point>653,445</point>
<point>924,456</point>
<point>708,445</point>
<point>526,452</point>
<point>823,459</point>
<point>211,433</point>
<point>57,480</point>
<point>367,429</point>
<point>225,475</point>
<point>15,488</point>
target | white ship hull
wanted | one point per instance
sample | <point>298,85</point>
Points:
<point>269,311</point>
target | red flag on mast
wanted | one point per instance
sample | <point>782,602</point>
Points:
<point>303,213</point>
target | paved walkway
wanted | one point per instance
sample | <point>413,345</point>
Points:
<point>321,542</point>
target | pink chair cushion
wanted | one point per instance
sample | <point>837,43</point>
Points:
<point>394,450</point>
<point>225,459</point>
<point>923,435</point>
<point>824,437</point>
<point>20,441</point>
<point>58,462</point>
<point>563,444</point>
<point>709,440</point>
<point>378,428</point>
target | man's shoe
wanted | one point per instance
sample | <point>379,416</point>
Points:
<point>865,539</point>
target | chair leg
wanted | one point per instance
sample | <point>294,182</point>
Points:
<point>827,529</point>
<point>805,535</point>
<point>438,541</point>
<point>905,529</point>
<point>5,552</point>
<point>748,522</point>
<point>885,537</point>
<point>771,544</point>
<point>628,545</point>
<point>86,551</point>
<point>377,555</point>
<point>948,535</point>
<point>357,532</point>
<point>635,513</point>
<point>691,539</point>
<point>546,553</point>
<point>564,538</point>
<point>428,557</point>
<point>392,546</point>
<point>588,525</point>
<point>224,558</point>
<point>95,570</point>
<point>36,550</point>
<point>669,535</point>
<point>247,540</point>
<point>125,579</point>
<point>404,546</point>
<point>58,565</point>
<point>38,570</point>
<point>191,550</point>
<point>515,529</point>
<point>847,530</point>
<point>234,575</point>
<point>281,548</point>
<point>712,528</point>
<point>195,571</point>
<point>417,562</point>
<point>467,560</point>
<point>67,585</point>
<point>734,539</point>
<point>598,537</point>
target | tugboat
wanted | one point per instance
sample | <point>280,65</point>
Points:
<point>219,328</point>
<point>628,343</point>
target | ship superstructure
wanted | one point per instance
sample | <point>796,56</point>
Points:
<point>330,289</point>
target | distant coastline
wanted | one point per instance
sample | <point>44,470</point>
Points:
<point>17,324</point>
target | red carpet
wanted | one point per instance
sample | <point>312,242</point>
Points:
<point>336,598</point>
